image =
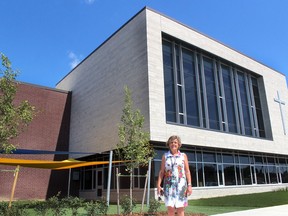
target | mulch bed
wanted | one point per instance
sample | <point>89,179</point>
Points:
<point>159,214</point>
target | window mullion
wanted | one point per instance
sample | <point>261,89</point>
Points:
<point>239,104</point>
<point>182,84</point>
<point>174,54</point>
<point>233,79</point>
<point>204,92</point>
<point>217,95</point>
<point>255,128</point>
<point>198,89</point>
<point>223,98</point>
<point>248,95</point>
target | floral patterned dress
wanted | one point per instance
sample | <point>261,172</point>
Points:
<point>175,183</point>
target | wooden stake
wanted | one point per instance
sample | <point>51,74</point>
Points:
<point>144,192</point>
<point>14,185</point>
<point>117,185</point>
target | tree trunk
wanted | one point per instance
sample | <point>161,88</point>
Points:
<point>131,186</point>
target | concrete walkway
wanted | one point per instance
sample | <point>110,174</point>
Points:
<point>281,210</point>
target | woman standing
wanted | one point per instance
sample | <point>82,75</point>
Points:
<point>176,178</point>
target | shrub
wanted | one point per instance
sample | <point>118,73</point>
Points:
<point>126,206</point>
<point>18,208</point>
<point>3,208</point>
<point>154,206</point>
<point>98,207</point>
<point>56,205</point>
<point>72,202</point>
<point>40,207</point>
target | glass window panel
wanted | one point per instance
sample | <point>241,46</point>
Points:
<point>270,160</point>
<point>193,171</point>
<point>143,172</point>
<point>229,174</point>
<point>258,160</point>
<point>211,94</point>
<point>244,159</point>
<point>181,118</point>
<point>200,175</point>
<point>210,172</point>
<point>282,161</point>
<point>180,99</point>
<point>199,156</point>
<point>245,172</point>
<point>94,182</point>
<point>190,88</point>
<point>157,166</point>
<point>88,179</point>
<point>236,157</point>
<point>258,108</point>
<point>272,174</point>
<point>219,158</point>
<point>179,81</point>
<point>260,174</point>
<point>245,105</point>
<point>136,178</point>
<point>124,182</point>
<point>169,82</point>
<point>191,156</point>
<point>159,153</point>
<point>229,99</point>
<point>202,93</point>
<point>238,179</point>
<point>82,179</point>
<point>228,158</point>
<point>284,173</point>
<point>209,157</point>
<point>220,174</point>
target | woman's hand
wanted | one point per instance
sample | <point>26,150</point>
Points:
<point>189,190</point>
<point>160,191</point>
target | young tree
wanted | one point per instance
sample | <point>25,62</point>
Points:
<point>134,145</point>
<point>13,117</point>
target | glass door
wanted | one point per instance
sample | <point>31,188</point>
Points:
<point>99,183</point>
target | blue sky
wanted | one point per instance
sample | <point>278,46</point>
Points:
<point>44,39</point>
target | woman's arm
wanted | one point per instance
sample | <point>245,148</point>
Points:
<point>188,175</point>
<point>161,175</point>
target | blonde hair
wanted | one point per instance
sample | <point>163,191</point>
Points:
<point>173,137</point>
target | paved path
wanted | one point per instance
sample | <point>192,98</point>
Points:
<point>281,210</point>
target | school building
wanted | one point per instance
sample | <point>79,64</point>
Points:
<point>229,109</point>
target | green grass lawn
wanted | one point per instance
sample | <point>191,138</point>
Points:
<point>225,204</point>
<point>211,206</point>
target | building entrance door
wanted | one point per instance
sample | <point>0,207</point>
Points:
<point>99,183</point>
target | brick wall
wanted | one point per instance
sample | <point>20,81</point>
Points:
<point>49,130</point>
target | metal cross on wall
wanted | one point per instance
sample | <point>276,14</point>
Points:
<point>281,103</point>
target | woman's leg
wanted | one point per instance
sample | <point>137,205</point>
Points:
<point>171,211</point>
<point>180,211</point>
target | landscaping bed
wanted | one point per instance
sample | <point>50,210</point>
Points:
<point>159,214</point>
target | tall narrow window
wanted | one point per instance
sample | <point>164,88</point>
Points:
<point>244,104</point>
<point>229,99</point>
<point>190,88</point>
<point>169,82</point>
<point>258,107</point>
<point>211,93</point>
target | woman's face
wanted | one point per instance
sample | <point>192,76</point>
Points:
<point>174,145</point>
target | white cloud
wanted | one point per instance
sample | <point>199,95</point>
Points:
<point>75,60</point>
<point>89,1</point>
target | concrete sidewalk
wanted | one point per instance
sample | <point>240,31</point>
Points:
<point>281,210</point>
